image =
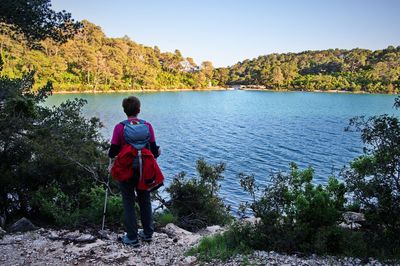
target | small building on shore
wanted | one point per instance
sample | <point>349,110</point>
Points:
<point>248,87</point>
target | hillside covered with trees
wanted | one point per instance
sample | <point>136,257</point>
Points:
<point>335,69</point>
<point>92,61</point>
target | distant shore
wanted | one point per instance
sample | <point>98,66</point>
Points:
<point>216,88</point>
<point>143,90</point>
<point>327,91</point>
<point>319,91</point>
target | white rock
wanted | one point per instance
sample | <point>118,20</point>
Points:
<point>351,217</point>
<point>104,234</point>
<point>86,238</point>
<point>87,247</point>
<point>161,261</point>
<point>183,236</point>
<point>190,260</point>
<point>212,230</point>
<point>72,235</point>
<point>252,220</point>
<point>53,235</point>
<point>351,225</point>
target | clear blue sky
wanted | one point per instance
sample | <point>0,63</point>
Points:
<point>228,31</point>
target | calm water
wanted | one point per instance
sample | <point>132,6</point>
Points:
<point>253,132</point>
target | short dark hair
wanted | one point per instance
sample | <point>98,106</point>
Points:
<point>131,106</point>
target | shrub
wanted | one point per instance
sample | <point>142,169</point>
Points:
<point>48,156</point>
<point>56,207</point>
<point>161,219</point>
<point>93,210</point>
<point>297,215</point>
<point>226,245</point>
<point>373,180</point>
<point>194,201</point>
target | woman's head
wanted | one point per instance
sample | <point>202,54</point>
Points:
<point>131,106</point>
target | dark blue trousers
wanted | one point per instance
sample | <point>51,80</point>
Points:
<point>146,214</point>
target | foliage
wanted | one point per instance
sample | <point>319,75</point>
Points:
<point>223,246</point>
<point>90,61</point>
<point>374,180</point>
<point>37,21</point>
<point>292,198</point>
<point>195,201</point>
<point>92,208</point>
<point>161,219</point>
<point>334,69</point>
<point>59,208</point>
<point>296,215</point>
<point>51,159</point>
<point>47,155</point>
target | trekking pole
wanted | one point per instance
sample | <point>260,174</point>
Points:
<point>105,198</point>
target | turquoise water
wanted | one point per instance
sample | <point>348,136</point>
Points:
<point>251,131</point>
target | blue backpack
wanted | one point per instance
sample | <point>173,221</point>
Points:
<point>137,134</point>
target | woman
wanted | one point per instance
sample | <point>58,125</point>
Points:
<point>131,106</point>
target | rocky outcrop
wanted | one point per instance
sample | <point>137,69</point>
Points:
<point>353,217</point>
<point>22,225</point>
<point>352,220</point>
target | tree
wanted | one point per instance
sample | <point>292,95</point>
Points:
<point>37,21</point>
<point>221,75</point>
<point>191,62</point>
<point>92,61</point>
<point>45,149</point>
<point>374,178</point>
<point>50,158</point>
<point>353,70</point>
<point>277,76</point>
<point>207,68</point>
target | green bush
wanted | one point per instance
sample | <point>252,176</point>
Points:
<point>296,215</point>
<point>48,156</point>
<point>194,201</point>
<point>93,209</point>
<point>373,181</point>
<point>56,207</point>
<point>161,219</point>
<point>226,245</point>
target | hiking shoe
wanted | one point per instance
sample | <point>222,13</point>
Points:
<point>145,237</point>
<point>134,243</point>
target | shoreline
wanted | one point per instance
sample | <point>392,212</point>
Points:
<point>212,89</point>
<point>141,90</point>
<point>319,91</point>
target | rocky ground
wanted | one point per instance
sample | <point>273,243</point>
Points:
<point>62,247</point>
<point>52,247</point>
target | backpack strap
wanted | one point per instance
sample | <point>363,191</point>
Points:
<point>140,164</point>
